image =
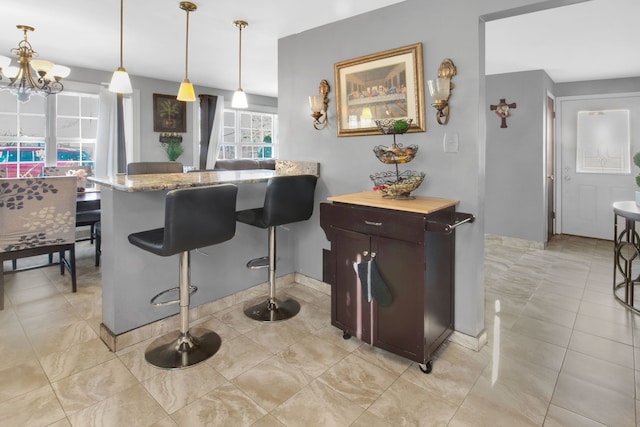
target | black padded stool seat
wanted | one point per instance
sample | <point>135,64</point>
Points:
<point>194,218</point>
<point>288,199</point>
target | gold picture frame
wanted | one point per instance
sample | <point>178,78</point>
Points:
<point>384,85</point>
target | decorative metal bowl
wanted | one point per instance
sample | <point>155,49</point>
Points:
<point>393,126</point>
<point>395,154</point>
<point>397,185</point>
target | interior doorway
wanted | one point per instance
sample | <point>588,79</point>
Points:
<point>550,165</point>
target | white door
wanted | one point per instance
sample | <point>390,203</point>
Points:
<point>594,174</point>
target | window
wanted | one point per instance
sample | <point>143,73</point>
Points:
<point>22,135</point>
<point>603,142</point>
<point>76,128</point>
<point>27,143</point>
<point>249,135</point>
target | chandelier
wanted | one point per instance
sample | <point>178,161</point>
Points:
<point>22,82</point>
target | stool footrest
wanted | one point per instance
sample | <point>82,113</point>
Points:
<point>192,290</point>
<point>256,263</point>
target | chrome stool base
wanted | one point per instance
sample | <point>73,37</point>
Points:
<point>273,310</point>
<point>176,350</point>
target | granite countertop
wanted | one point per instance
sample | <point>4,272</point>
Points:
<point>420,204</point>
<point>171,181</point>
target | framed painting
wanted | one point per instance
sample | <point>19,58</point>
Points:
<point>385,85</point>
<point>169,114</point>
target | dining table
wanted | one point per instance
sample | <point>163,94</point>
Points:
<point>88,200</point>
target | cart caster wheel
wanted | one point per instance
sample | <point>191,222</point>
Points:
<point>346,335</point>
<point>428,367</point>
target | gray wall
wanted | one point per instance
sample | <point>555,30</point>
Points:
<point>516,193</point>
<point>446,30</point>
<point>150,148</point>
<point>594,87</point>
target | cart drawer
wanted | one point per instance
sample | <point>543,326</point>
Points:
<point>374,221</point>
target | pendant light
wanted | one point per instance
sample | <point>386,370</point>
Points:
<point>239,97</point>
<point>120,82</point>
<point>186,92</point>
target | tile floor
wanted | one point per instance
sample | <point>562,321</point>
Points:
<point>560,353</point>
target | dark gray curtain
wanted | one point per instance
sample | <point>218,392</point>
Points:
<point>121,149</point>
<point>207,117</point>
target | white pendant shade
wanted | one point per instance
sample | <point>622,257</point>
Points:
<point>239,99</point>
<point>186,92</point>
<point>120,82</point>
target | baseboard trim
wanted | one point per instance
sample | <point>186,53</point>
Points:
<point>514,242</point>
<point>468,341</point>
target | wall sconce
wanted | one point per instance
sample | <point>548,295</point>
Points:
<point>440,89</point>
<point>318,104</point>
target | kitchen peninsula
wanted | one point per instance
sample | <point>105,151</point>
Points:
<point>130,276</point>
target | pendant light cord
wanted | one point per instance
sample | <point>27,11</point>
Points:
<point>240,58</point>
<point>186,59</point>
<point>121,29</point>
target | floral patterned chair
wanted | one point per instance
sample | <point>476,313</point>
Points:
<point>83,218</point>
<point>37,217</point>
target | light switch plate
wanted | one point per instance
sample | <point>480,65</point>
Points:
<point>451,142</point>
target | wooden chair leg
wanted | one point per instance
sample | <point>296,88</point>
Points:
<point>69,264</point>
<point>72,255</point>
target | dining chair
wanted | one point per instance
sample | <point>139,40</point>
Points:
<point>87,218</point>
<point>142,168</point>
<point>37,217</point>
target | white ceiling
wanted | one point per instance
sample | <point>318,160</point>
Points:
<point>85,33</point>
<point>593,40</point>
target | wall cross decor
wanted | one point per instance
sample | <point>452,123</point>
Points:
<point>502,110</point>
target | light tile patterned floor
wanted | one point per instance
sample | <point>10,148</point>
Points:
<point>560,353</point>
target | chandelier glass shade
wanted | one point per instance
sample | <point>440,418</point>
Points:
<point>120,82</point>
<point>45,79</point>
<point>239,99</point>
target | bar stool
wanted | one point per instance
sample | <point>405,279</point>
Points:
<point>288,199</point>
<point>194,218</point>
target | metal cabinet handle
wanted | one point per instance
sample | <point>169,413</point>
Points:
<point>377,224</point>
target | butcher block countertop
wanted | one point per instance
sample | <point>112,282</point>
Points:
<point>420,204</point>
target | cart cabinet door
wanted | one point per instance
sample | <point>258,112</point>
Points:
<point>349,308</point>
<point>398,327</point>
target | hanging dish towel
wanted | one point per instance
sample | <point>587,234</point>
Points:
<point>373,285</point>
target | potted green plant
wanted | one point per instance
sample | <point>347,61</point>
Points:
<point>636,161</point>
<point>172,144</point>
